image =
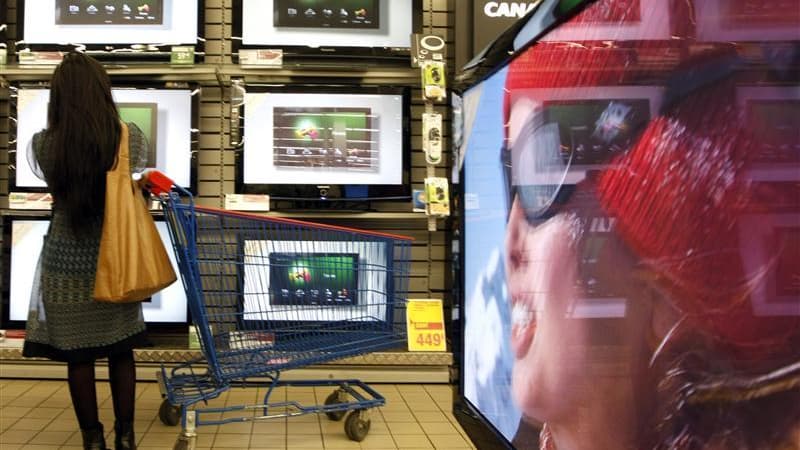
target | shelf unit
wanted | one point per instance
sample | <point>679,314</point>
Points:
<point>216,157</point>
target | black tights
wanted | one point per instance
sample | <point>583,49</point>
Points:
<point>122,373</point>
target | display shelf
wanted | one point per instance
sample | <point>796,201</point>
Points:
<point>379,367</point>
<point>394,75</point>
<point>344,215</point>
<point>198,72</point>
<point>210,72</point>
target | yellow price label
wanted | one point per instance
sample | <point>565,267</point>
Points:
<point>425,324</point>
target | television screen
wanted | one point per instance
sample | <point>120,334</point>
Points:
<point>110,29</point>
<point>23,238</point>
<point>329,24</point>
<point>295,142</point>
<point>90,12</point>
<point>630,232</point>
<point>332,138</point>
<point>166,116</point>
<point>333,280</point>
<point>145,116</point>
<point>774,114</point>
<point>357,14</point>
<point>313,279</point>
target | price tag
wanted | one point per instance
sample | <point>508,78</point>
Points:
<point>39,58</point>
<point>261,57</point>
<point>425,322</point>
<point>182,55</point>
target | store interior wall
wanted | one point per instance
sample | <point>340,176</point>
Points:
<point>216,158</point>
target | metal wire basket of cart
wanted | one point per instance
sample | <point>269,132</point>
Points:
<point>270,294</point>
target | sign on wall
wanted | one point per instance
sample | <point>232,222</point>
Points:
<point>491,18</point>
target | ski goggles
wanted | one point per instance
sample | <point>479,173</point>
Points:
<point>536,169</point>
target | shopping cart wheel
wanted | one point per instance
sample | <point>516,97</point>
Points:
<point>356,427</point>
<point>169,414</point>
<point>331,400</point>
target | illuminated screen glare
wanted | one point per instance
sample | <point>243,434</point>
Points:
<point>110,22</point>
<point>281,282</point>
<point>327,23</point>
<point>164,115</point>
<point>27,239</point>
<point>323,138</point>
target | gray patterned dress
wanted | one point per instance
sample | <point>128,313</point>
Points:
<point>64,322</point>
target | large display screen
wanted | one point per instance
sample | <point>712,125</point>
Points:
<point>314,281</point>
<point>326,23</point>
<point>323,139</point>
<point>630,236</point>
<point>164,115</point>
<point>23,241</point>
<point>109,22</point>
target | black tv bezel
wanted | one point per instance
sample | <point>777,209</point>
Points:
<point>8,219</point>
<point>302,53</point>
<point>194,139</point>
<point>311,192</point>
<point>492,59</point>
<point>3,21</point>
<point>112,53</point>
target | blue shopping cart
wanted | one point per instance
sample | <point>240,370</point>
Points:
<point>270,294</point>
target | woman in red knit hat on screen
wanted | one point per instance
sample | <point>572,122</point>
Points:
<point>653,245</point>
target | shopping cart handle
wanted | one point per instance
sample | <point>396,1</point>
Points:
<point>157,183</point>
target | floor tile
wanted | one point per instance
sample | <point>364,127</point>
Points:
<point>51,438</point>
<point>407,441</point>
<point>15,437</point>
<point>39,415</point>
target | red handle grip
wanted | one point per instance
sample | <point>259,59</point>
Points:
<point>158,183</point>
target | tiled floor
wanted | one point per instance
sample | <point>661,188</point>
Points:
<point>38,415</point>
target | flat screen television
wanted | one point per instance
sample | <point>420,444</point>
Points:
<point>314,143</point>
<point>327,28</point>
<point>571,276</point>
<point>23,237</point>
<point>283,282</point>
<point>168,117</point>
<point>114,30</point>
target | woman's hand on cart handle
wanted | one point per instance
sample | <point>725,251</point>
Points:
<point>154,181</point>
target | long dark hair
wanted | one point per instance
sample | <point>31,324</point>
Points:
<point>82,138</point>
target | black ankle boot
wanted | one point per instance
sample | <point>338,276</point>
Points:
<point>93,438</point>
<point>124,439</point>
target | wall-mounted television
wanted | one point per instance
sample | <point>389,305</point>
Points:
<point>287,281</point>
<point>113,30</point>
<point>23,238</point>
<point>168,117</point>
<point>325,143</point>
<point>327,28</point>
<point>719,20</point>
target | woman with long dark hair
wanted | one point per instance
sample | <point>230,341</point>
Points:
<point>65,323</point>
